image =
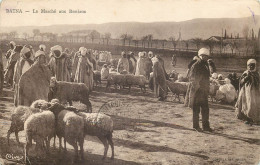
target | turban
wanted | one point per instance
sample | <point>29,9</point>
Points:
<point>203,51</point>
<point>251,61</point>
<point>38,53</point>
<point>214,75</point>
<point>12,43</point>
<point>56,47</point>
<point>83,51</point>
<point>25,50</point>
<point>81,48</point>
<point>42,47</point>
<point>227,81</point>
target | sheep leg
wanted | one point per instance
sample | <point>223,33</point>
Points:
<point>65,148</point>
<point>73,142</point>
<point>60,144</point>
<point>81,142</point>
<point>104,141</point>
<point>47,145</point>
<point>8,135</point>
<point>70,102</point>
<point>110,141</point>
<point>26,148</point>
<point>54,140</point>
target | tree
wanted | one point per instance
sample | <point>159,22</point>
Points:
<point>253,34</point>
<point>35,33</point>
<point>210,44</point>
<point>174,42</point>
<point>144,38</point>
<point>187,45</point>
<point>163,43</point>
<point>129,38</point>
<point>107,37</point>
<point>94,35</point>
<point>225,35</point>
<point>25,35</point>
<point>155,42</point>
<point>136,42</point>
<point>124,38</point>
<point>245,31</point>
<point>103,39</point>
<point>197,42</point>
<point>12,34</point>
<point>150,39</point>
<point>42,35</point>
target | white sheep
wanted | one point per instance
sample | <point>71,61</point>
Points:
<point>101,126</point>
<point>177,88</point>
<point>138,80</point>
<point>70,126</point>
<point>41,128</point>
<point>21,113</point>
<point>115,79</point>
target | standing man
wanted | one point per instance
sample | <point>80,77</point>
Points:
<point>199,89</point>
<point>159,79</point>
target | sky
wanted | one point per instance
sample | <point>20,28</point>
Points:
<point>103,11</point>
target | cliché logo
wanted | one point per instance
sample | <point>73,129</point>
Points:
<point>12,157</point>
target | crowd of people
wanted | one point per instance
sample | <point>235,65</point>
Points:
<point>79,66</point>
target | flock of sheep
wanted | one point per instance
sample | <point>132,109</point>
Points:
<point>44,120</point>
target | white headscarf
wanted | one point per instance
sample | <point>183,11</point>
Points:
<point>251,61</point>
<point>203,51</point>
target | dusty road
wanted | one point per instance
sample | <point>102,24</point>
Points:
<point>150,132</point>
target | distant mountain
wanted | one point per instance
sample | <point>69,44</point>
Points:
<point>201,27</point>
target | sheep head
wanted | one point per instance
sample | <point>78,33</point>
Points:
<point>53,82</point>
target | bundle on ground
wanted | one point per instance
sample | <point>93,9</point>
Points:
<point>69,91</point>
<point>21,113</point>
<point>101,126</point>
<point>178,88</point>
<point>41,128</point>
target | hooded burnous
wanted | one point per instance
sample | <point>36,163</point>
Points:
<point>248,102</point>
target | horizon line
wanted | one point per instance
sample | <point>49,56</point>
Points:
<point>129,22</point>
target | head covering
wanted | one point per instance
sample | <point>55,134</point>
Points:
<point>220,76</point>
<point>203,51</point>
<point>81,48</point>
<point>38,53</point>
<point>24,51</point>
<point>42,47</point>
<point>140,54</point>
<point>123,54</point>
<point>56,47</point>
<point>83,51</point>
<point>227,80</point>
<point>214,75</point>
<point>251,61</point>
<point>12,43</point>
<point>150,54</point>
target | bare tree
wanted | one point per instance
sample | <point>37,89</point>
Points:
<point>94,35</point>
<point>150,39</point>
<point>35,33</point>
<point>210,44</point>
<point>136,42</point>
<point>124,38</point>
<point>129,38</point>
<point>174,42</point>
<point>144,38</point>
<point>245,31</point>
<point>107,36</point>
<point>187,45</point>
<point>25,35</point>
<point>197,42</point>
<point>163,43</point>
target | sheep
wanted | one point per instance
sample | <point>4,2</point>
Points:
<point>101,126</point>
<point>70,126</point>
<point>115,79</point>
<point>213,88</point>
<point>97,77</point>
<point>21,113</point>
<point>41,128</point>
<point>177,88</point>
<point>139,80</point>
<point>69,91</point>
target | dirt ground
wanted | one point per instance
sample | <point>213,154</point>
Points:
<point>148,132</point>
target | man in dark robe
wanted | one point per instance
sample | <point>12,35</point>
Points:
<point>197,94</point>
<point>34,83</point>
